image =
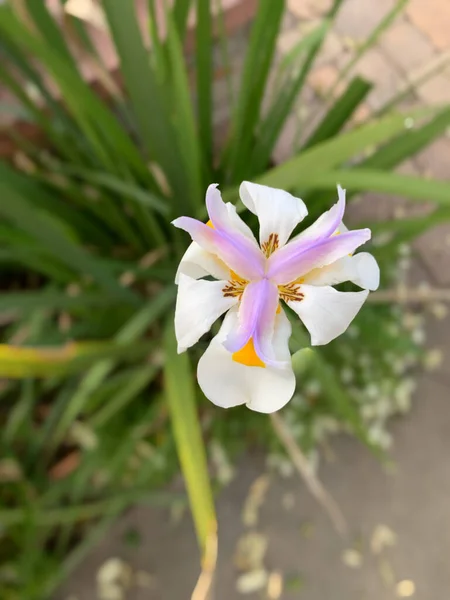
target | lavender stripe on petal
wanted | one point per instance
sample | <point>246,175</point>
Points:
<point>245,259</point>
<point>294,260</point>
<point>325,225</point>
<point>250,309</point>
<point>263,335</point>
<point>257,314</point>
<point>225,227</point>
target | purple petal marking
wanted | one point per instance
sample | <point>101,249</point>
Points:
<point>263,336</point>
<point>294,260</point>
<point>257,314</point>
<point>243,258</point>
<point>325,225</point>
<point>249,311</point>
<point>223,224</point>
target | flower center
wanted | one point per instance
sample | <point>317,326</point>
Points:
<point>271,245</point>
<point>235,286</point>
<point>291,291</point>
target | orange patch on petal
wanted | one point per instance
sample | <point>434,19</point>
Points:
<point>299,281</point>
<point>247,356</point>
<point>235,277</point>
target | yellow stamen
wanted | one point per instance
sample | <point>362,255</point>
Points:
<point>278,308</point>
<point>247,356</point>
<point>291,291</point>
<point>271,244</point>
<point>209,224</point>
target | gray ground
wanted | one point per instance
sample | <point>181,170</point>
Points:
<point>413,501</point>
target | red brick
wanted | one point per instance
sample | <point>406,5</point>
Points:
<point>375,67</point>
<point>407,46</point>
<point>361,114</point>
<point>332,50</point>
<point>322,78</point>
<point>436,90</point>
<point>288,39</point>
<point>434,161</point>
<point>357,18</point>
<point>301,9</point>
<point>285,144</point>
<point>320,7</point>
<point>432,17</point>
<point>434,249</point>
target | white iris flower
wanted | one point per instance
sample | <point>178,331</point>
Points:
<point>248,362</point>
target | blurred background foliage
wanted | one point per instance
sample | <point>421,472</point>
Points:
<point>97,410</point>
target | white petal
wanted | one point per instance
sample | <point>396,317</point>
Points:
<point>326,312</point>
<point>342,228</point>
<point>238,223</point>
<point>199,304</point>
<point>197,263</point>
<point>278,211</point>
<point>361,269</point>
<point>228,383</point>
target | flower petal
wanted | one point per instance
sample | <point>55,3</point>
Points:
<point>278,211</point>
<point>197,263</point>
<point>199,304</point>
<point>228,383</point>
<point>326,312</point>
<point>257,313</point>
<point>361,269</point>
<point>295,260</point>
<point>327,224</point>
<point>224,218</point>
<point>232,247</point>
<point>237,223</point>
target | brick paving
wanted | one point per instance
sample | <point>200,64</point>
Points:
<point>417,38</point>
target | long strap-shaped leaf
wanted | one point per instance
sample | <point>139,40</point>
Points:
<point>394,152</point>
<point>49,30</point>
<point>180,395</point>
<point>51,233</point>
<point>180,16</point>
<point>415,188</point>
<point>17,362</point>
<point>102,130</point>
<point>286,89</point>
<point>152,113</point>
<point>204,77</point>
<point>408,143</point>
<point>286,97</point>
<point>259,57</point>
<point>95,376</point>
<point>340,112</point>
<point>338,150</point>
